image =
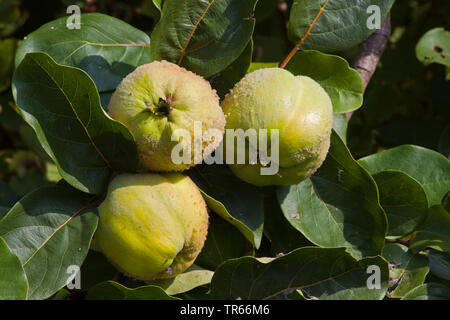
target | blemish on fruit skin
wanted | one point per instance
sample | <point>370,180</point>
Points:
<point>438,49</point>
<point>169,270</point>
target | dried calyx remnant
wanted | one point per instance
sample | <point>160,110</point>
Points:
<point>163,107</point>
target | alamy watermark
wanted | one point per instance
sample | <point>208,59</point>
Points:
<point>74,20</point>
<point>241,147</point>
<point>74,279</point>
<point>374,20</point>
<point>374,280</point>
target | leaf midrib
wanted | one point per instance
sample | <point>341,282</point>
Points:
<point>74,111</point>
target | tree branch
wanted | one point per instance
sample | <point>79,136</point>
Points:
<point>370,52</point>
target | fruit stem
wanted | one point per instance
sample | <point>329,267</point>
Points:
<point>297,47</point>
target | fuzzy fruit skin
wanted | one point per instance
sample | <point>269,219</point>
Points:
<point>150,222</point>
<point>159,97</point>
<point>299,107</point>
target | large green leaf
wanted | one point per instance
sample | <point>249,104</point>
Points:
<point>282,235</point>
<point>342,83</point>
<point>63,107</point>
<point>62,294</point>
<point>428,167</point>
<point>192,278</point>
<point>404,201</point>
<point>340,124</point>
<point>95,269</point>
<point>319,272</point>
<point>105,47</point>
<point>429,291</point>
<point>435,231</point>
<point>261,65</point>
<point>224,241</point>
<point>13,281</point>
<point>341,26</point>
<point>238,202</point>
<point>407,270</point>
<point>158,4</point>
<point>434,47</point>
<point>439,263</point>
<point>203,36</point>
<point>110,290</point>
<point>227,78</point>
<point>339,206</point>
<point>50,230</point>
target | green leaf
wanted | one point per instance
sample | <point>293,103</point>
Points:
<point>203,36</point>
<point>95,269</point>
<point>341,26</point>
<point>31,141</point>
<point>50,230</point>
<point>11,17</point>
<point>321,273</point>
<point>434,47</point>
<point>404,201</point>
<point>261,65</point>
<point>282,235</point>
<point>223,242</point>
<point>110,290</point>
<point>7,49</point>
<point>105,47</point>
<point>31,180</point>
<point>339,206</point>
<point>342,83</point>
<point>406,270</point>
<point>429,291</point>
<point>428,167</point>
<point>62,105</point>
<point>227,78</point>
<point>13,281</point>
<point>158,4</point>
<point>340,124</point>
<point>434,232</point>
<point>439,263</point>
<point>62,294</point>
<point>192,278</point>
<point>224,194</point>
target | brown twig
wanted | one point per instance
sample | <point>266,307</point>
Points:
<point>370,52</point>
